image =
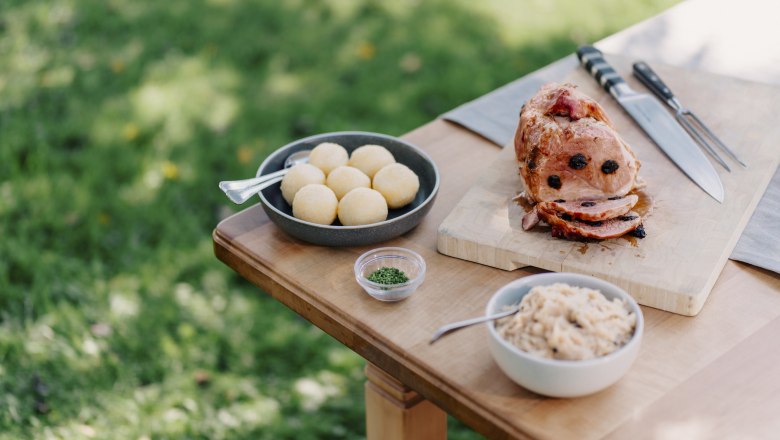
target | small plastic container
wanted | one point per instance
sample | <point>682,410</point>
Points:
<point>409,262</point>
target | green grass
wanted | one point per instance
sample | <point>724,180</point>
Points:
<point>118,118</point>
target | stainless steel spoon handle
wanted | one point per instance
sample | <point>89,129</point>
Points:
<point>238,185</point>
<point>241,195</point>
<point>443,330</point>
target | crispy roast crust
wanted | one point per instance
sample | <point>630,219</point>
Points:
<point>567,148</point>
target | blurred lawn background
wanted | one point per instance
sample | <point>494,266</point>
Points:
<point>118,118</point>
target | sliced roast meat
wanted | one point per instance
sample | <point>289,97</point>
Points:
<point>564,226</point>
<point>594,210</point>
<point>588,210</point>
<point>531,219</point>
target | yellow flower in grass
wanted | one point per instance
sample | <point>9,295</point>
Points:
<point>117,66</point>
<point>104,218</point>
<point>244,154</point>
<point>366,50</point>
<point>170,170</point>
<point>130,131</point>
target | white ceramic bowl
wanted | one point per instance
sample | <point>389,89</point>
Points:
<point>561,378</point>
<point>409,262</point>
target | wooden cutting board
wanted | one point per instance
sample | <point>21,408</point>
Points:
<point>689,235</point>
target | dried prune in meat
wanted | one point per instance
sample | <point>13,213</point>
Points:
<point>609,167</point>
<point>554,181</point>
<point>578,161</point>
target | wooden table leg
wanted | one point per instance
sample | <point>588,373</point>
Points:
<point>395,412</point>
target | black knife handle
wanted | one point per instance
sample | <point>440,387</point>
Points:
<point>597,66</point>
<point>652,81</point>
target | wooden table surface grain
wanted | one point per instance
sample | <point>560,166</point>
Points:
<point>717,372</point>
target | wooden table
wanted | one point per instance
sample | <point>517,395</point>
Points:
<point>714,375</point>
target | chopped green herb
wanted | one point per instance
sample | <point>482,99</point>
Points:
<point>388,275</point>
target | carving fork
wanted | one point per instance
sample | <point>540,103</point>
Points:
<point>692,124</point>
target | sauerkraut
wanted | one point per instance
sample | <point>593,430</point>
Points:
<point>560,321</point>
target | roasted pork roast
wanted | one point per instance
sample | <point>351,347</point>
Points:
<point>577,169</point>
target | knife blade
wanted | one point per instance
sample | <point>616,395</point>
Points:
<point>662,128</point>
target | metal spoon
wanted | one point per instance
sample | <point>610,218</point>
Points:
<point>239,191</point>
<point>443,330</point>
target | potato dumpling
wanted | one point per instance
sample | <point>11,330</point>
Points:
<point>299,176</point>
<point>362,206</point>
<point>327,156</point>
<point>370,159</point>
<point>397,183</point>
<point>344,179</point>
<point>315,203</point>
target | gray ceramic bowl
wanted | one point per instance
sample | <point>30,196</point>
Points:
<point>398,221</point>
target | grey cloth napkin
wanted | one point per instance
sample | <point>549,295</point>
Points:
<point>494,116</point>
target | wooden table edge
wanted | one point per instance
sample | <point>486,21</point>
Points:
<point>379,353</point>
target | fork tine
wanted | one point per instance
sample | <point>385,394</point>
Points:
<point>715,138</point>
<point>703,142</point>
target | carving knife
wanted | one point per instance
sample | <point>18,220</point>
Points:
<point>662,128</point>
